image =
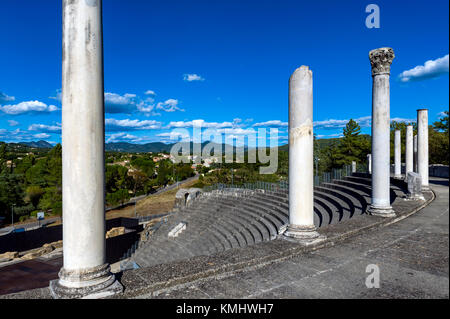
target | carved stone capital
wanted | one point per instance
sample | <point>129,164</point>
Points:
<point>381,60</point>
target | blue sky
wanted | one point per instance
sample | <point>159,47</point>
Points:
<point>226,63</point>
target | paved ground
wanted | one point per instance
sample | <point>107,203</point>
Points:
<point>29,274</point>
<point>412,257</point>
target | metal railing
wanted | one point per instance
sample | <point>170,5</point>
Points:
<point>283,185</point>
<point>327,177</point>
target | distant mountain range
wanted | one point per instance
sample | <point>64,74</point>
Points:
<point>156,147</point>
<point>38,144</point>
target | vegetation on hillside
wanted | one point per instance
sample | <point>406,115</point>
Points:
<point>30,178</point>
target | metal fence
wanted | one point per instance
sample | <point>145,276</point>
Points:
<point>284,185</point>
<point>327,177</point>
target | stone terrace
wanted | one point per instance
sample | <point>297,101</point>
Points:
<point>234,218</point>
<point>169,280</point>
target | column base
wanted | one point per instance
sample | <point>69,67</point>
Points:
<point>94,283</point>
<point>426,188</point>
<point>305,235</point>
<point>381,211</point>
<point>399,176</point>
<point>411,197</point>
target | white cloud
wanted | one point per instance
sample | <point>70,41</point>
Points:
<point>199,123</point>
<point>334,124</point>
<point>41,135</point>
<point>123,137</point>
<point>13,123</point>
<point>28,107</point>
<point>403,120</point>
<point>150,92</point>
<point>431,69</point>
<point>273,123</point>
<point>5,98</point>
<point>171,105</point>
<point>237,131</point>
<point>58,96</point>
<point>129,125</point>
<point>192,77</point>
<point>174,136</point>
<point>116,103</point>
<point>442,114</point>
<point>18,136</point>
<point>45,128</point>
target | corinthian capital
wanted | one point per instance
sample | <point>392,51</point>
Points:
<point>381,60</point>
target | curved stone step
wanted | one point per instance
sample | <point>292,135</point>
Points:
<point>358,194</point>
<point>335,204</point>
<point>273,200</point>
<point>256,205</point>
<point>352,197</point>
<point>207,221</point>
<point>354,185</point>
<point>245,226</point>
<point>347,204</point>
<point>278,213</point>
<point>267,229</point>
<point>229,228</point>
<point>327,214</point>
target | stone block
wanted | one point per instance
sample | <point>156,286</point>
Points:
<point>116,231</point>
<point>414,181</point>
<point>8,256</point>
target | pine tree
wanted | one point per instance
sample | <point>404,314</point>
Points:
<point>353,147</point>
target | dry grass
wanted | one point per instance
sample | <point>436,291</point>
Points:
<point>152,205</point>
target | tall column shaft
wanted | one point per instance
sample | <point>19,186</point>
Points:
<point>397,154</point>
<point>85,270</point>
<point>369,163</point>
<point>381,60</point>
<point>422,146</point>
<point>409,160</point>
<point>415,154</point>
<point>353,167</point>
<point>301,144</point>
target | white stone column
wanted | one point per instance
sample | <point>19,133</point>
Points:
<point>381,60</point>
<point>415,154</point>
<point>409,150</point>
<point>369,163</point>
<point>353,167</point>
<point>85,273</point>
<point>397,154</point>
<point>422,146</point>
<point>301,205</point>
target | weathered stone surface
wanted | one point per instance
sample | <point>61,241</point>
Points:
<point>116,231</point>
<point>186,195</point>
<point>422,146</point>
<point>47,248</point>
<point>381,60</point>
<point>83,140</point>
<point>301,181</point>
<point>414,181</point>
<point>8,256</point>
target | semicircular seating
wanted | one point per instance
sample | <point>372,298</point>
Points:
<point>232,218</point>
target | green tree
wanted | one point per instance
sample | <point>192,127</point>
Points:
<point>353,146</point>
<point>34,194</point>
